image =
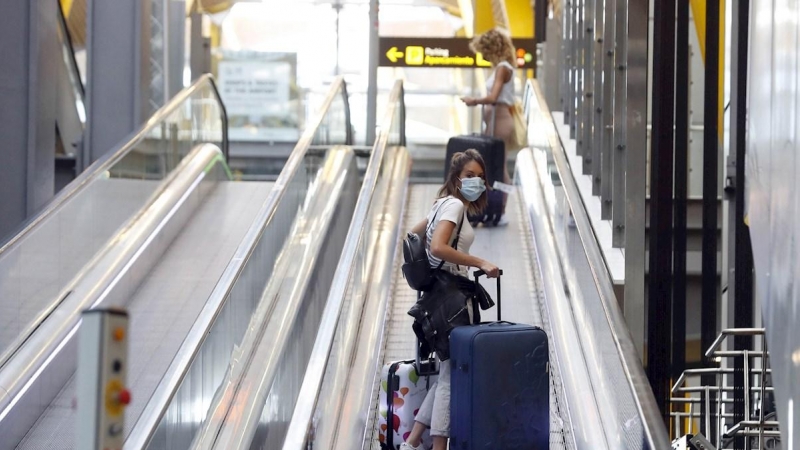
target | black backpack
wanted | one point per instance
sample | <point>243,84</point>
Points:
<point>416,267</point>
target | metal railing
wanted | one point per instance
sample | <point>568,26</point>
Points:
<point>41,367</point>
<point>222,322</point>
<point>133,159</point>
<point>619,384</point>
<point>710,404</point>
<point>314,422</point>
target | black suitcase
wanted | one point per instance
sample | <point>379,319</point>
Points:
<point>493,151</point>
<point>500,386</point>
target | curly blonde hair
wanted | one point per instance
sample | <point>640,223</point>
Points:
<point>495,46</point>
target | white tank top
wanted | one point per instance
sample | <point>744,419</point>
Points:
<point>507,92</point>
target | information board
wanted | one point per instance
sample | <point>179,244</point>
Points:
<point>260,96</point>
<point>444,52</point>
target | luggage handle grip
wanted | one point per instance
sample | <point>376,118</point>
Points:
<point>479,273</point>
<point>498,322</point>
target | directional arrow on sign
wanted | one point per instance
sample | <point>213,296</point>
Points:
<point>393,54</point>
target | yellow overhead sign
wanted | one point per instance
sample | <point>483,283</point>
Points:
<point>442,52</point>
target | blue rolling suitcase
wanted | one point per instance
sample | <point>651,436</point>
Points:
<point>500,386</point>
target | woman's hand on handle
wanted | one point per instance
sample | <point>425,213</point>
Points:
<point>469,101</point>
<point>489,269</point>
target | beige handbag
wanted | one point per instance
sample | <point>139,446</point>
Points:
<point>520,127</point>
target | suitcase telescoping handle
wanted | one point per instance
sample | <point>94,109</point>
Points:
<point>480,273</point>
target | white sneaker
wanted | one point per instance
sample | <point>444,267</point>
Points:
<point>407,446</point>
<point>503,221</point>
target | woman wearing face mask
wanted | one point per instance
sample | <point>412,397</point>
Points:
<point>463,192</point>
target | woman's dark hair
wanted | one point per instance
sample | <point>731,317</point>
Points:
<point>450,186</point>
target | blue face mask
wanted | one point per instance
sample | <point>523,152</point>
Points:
<point>472,188</point>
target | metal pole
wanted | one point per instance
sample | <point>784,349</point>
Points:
<point>681,188</point>
<point>719,420</point>
<point>764,362</point>
<point>661,166</point>
<point>372,86</point>
<point>636,166</point>
<point>566,67</point>
<point>579,59</point>
<point>745,387</point>
<point>575,75</point>
<point>573,69</point>
<point>338,7</point>
<point>587,39</point>
<point>618,208</point>
<point>606,123</point>
<point>710,178</point>
<point>741,277</point>
<point>708,411</point>
<point>596,133</point>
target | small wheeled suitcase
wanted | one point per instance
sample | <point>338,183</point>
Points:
<point>406,383</point>
<point>500,386</point>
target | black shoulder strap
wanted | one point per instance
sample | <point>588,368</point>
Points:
<point>458,235</point>
<point>455,242</point>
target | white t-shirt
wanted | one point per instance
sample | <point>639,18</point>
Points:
<point>506,96</point>
<point>450,209</point>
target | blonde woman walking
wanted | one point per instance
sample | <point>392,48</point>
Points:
<point>496,47</point>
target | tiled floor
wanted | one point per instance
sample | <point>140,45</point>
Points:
<point>166,304</point>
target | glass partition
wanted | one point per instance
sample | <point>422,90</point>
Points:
<point>39,263</point>
<point>630,417</point>
<point>180,405</point>
<point>343,351</point>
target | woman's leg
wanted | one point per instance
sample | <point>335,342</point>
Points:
<point>505,131</point>
<point>415,438</point>
<point>439,443</point>
<point>440,422</point>
<point>424,417</point>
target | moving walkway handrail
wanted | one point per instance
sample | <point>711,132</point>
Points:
<point>84,180</point>
<point>312,382</point>
<point>33,375</point>
<point>110,158</point>
<point>656,436</point>
<point>157,406</point>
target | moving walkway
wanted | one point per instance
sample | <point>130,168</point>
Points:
<point>160,227</point>
<point>555,278</point>
<point>261,315</point>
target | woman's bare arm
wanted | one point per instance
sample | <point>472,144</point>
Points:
<point>440,248</point>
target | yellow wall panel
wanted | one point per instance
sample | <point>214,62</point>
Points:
<point>519,14</point>
<point>520,17</point>
<point>66,6</point>
<point>484,17</point>
<point>699,13</point>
